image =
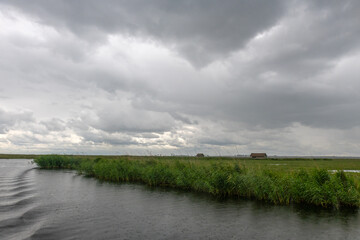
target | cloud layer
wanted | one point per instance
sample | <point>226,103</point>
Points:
<point>162,77</point>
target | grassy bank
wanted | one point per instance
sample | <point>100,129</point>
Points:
<point>275,181</point>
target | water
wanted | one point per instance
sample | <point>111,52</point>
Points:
<point>350,171</point>
<point>56,204</point>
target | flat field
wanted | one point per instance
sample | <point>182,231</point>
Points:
<point>287,164</point>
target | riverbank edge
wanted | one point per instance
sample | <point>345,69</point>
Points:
<point>315,187</point>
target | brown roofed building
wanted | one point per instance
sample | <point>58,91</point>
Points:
<point>258,155</point>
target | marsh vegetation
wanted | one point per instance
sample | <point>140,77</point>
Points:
<point>278,181</point>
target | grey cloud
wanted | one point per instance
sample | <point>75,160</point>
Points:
<point>182,118</point>
<point>109,82</point>
<point>54,124</point>
<point>217,142</point>
<point>279,107</point>
<point>70,47</point>
<point>307,47</point>
<point>121,117</point>
<point>24,140</point>
<point>105,138</point>
<point>114,82</point>
<point>120,120</point>
<point>309,43</point>
<point>269,71</point>
<point>201,30</point>
<point>149,135</point>
<point>8,119</point>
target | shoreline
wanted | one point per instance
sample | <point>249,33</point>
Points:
<point>235,179</point>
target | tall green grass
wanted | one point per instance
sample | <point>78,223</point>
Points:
<point>221,178</point>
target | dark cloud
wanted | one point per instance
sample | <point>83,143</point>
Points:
<point>259,75</point>
<point>182,118</point>
<point>201,30</point>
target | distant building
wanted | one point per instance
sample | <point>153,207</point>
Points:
<point>200,155</point>
<point>258,155</point>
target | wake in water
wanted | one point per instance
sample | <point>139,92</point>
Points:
<point>20,216</point>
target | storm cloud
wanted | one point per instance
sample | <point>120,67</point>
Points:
<point>180,77</point>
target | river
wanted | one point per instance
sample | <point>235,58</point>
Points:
<point>57,204</point>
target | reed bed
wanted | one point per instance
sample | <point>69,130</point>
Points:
<point>312,186</point>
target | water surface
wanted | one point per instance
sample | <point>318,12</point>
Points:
<point>57,204</point>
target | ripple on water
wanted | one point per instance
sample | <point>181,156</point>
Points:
<point>20,215</point>
<point>23,225</point>
<point>17,195</point>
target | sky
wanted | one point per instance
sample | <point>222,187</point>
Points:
<point>147,77</point>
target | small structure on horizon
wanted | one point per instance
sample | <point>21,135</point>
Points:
<point>200,155</point>
<point>258,155</point>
